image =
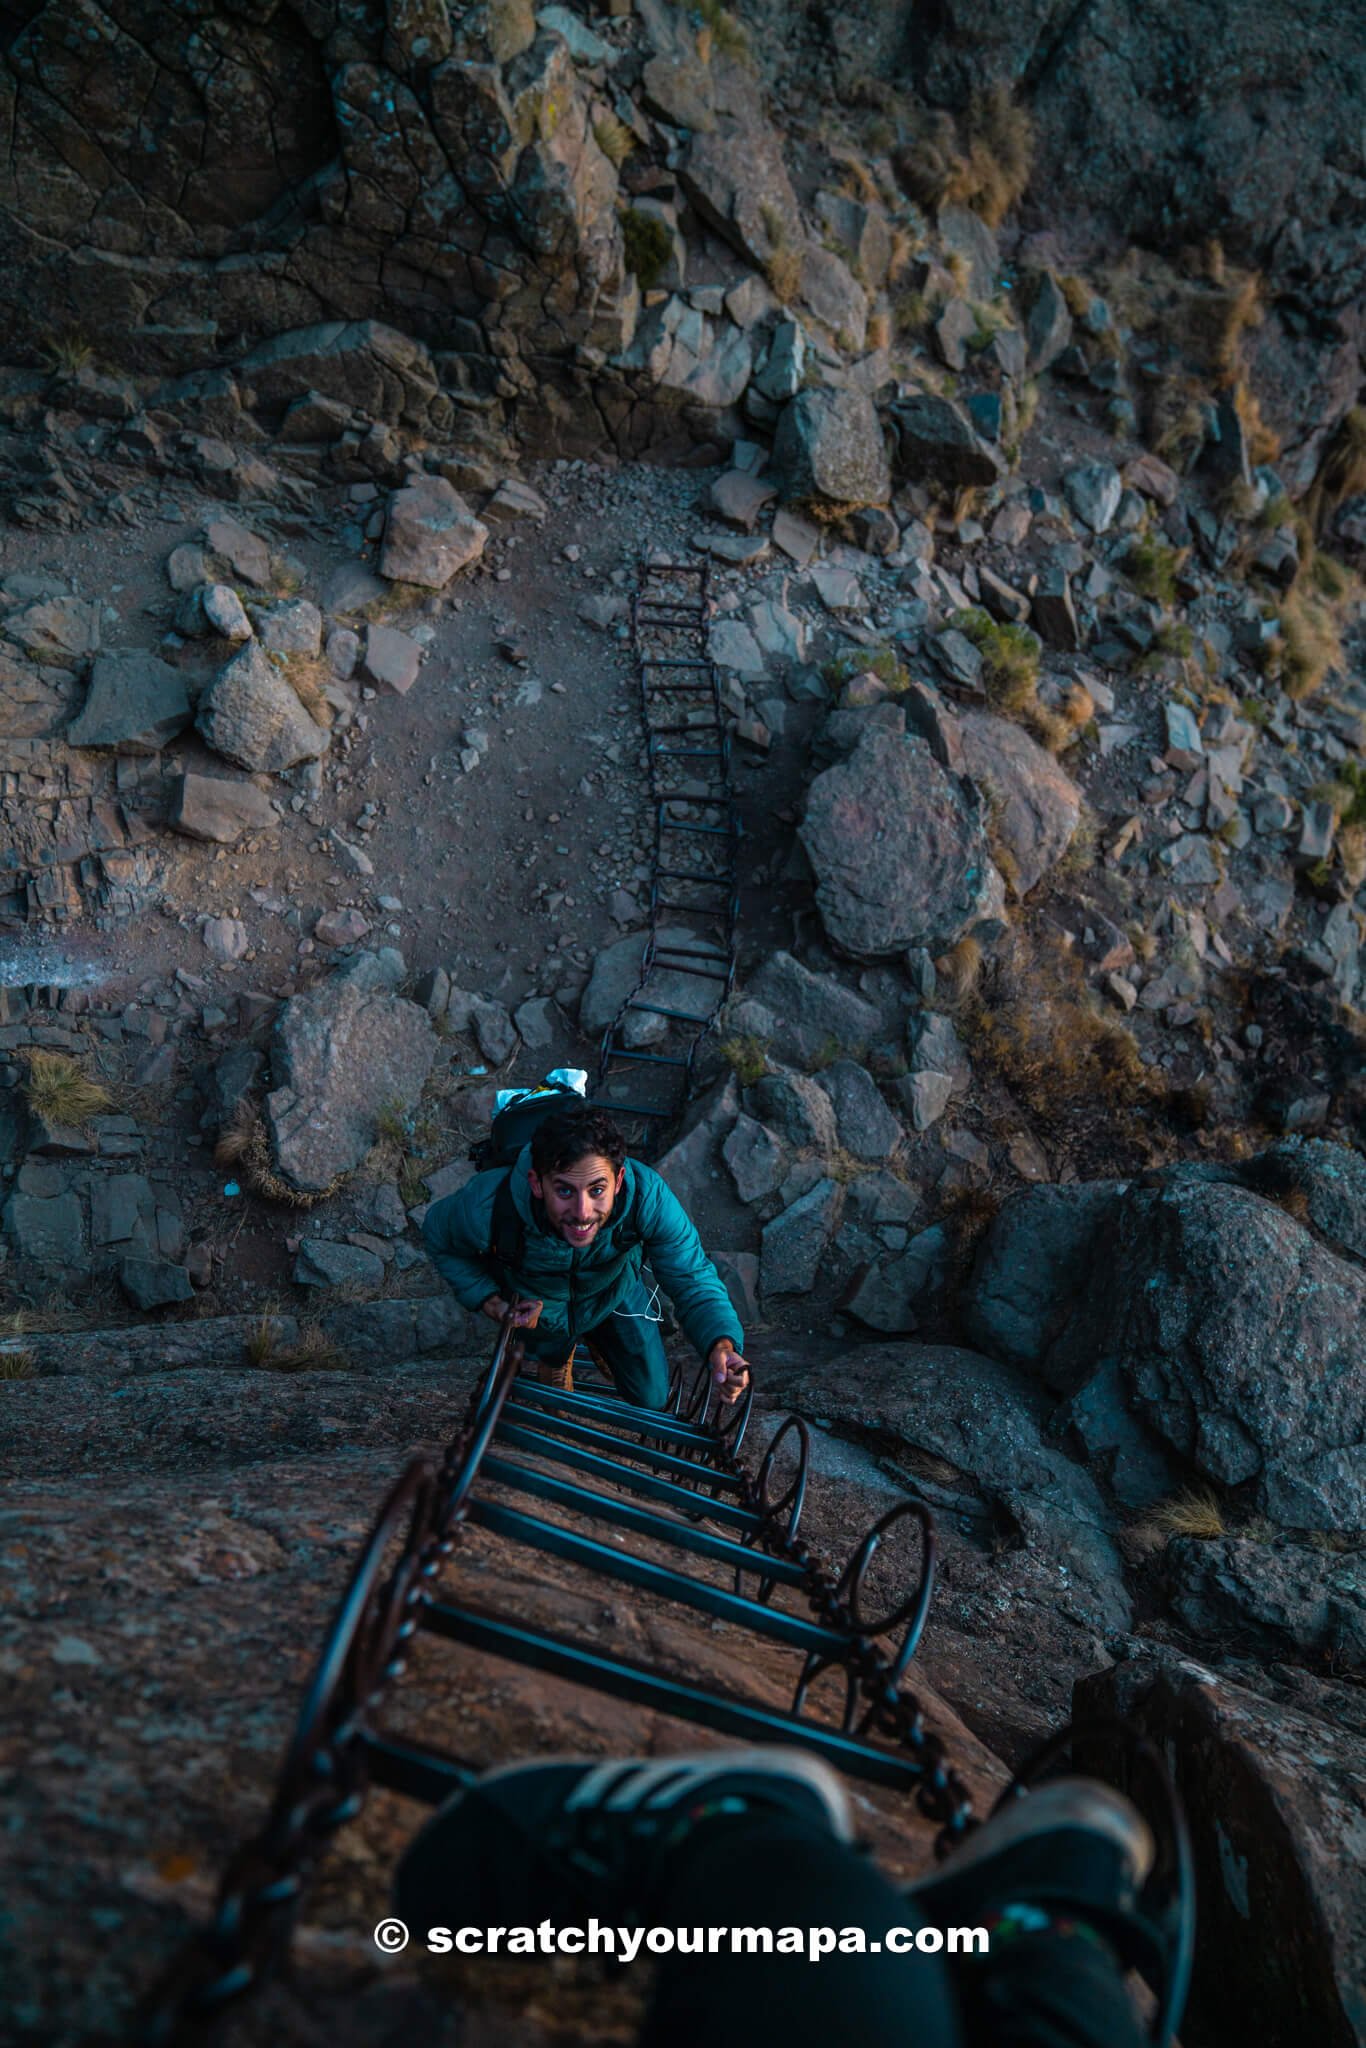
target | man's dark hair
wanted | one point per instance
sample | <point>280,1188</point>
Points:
<point>569,1135</point>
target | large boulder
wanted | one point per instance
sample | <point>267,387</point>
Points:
<point>62,629</point>
<point>735,176</point>
<point>898,849</point>
<point>832,292</point>
<point>136,704</point>
<point>691,1166</point>
<point>1274,1793</point>
<point>363,364</point>
<point>250,715</point>
<point>1032,1267</point>
<point>795,1243</point>
<point>1037,804</point>
<point>985,1421</point>
<point>342,1051</point>
<point>429,533</point>
<point>797,1108</point>
<point>806,1014</point>
<point>1234,1335</point>
<point>867,1129</point>
<point>214,808</point>
<point>936,443</point>
<point>829,445</point>
<point>1278,1599</point>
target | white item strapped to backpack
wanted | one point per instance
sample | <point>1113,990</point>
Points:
<point>573,1078</point>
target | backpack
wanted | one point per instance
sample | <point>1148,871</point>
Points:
<point>511,1129</point>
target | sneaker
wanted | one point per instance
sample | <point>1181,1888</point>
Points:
<point>535,1839</point>
<point>561,1377</point>
<point>1075,1850</point>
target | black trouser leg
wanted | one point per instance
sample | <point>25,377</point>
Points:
<point>1050,1989</point>
<point>633,1351</point>
<point>775,1871</point>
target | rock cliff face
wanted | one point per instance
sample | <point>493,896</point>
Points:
<point>1172,124</point>
<point>182,182</point>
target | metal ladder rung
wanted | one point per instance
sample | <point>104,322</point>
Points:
<point>660,1579</point>
<point>659,732</point>
<point>610,1408</point>
<point>645,1059</point>
<point>624,1515</point>
<point>658,1010</point>
<point>411,1768</point>
<point>630,1478</point>
<point>639,1109</point>
<point>623,1678</point>
<point>561,1428</point>
<point>575,1402</point>
<point>718,831</point>
<point>687,753</point>
<point>672,661</point>
<point>675,954</point>
<point>687,875</point>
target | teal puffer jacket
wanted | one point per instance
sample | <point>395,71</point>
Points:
<point>580,1289</point>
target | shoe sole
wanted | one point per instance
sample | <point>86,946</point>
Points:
<point>1065,1803</point>
<point>688,1775</point>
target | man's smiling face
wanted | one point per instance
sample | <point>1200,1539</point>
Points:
<point>578,1199</point>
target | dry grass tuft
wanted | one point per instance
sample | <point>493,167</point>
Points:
<point>958,971</point>
<point>263,1338</point>
<point>1342,469</point>
<point>911,314</point>
<point>1045,1035</point>
<point>903,247</point>
<point>1263,442</point>
<point>244,1148</point>
<point>18,1364</point>
<point>747,1057</point>
<point>1077,293</point>
<point>879,329</point>
<point>1204,315</point>
<point>65,354</point>
<point>1010,659</point>
<point>1151,566</point>
<point>855,179</point>
<point>315,1351</point>
<point>647,246</point>
<point>57,1090</point>
<point>783,264</point>
<point>399,597</point>
<point>1195,1512</point>
<point>1176,422</point>
<point>985,167</point>
<point>308,676</point>
<point>722,32</point>
<point>1010,675</point>
<point>1309,643</point>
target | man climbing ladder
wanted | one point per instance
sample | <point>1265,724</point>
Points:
<point>567,1228</point>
